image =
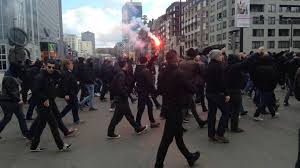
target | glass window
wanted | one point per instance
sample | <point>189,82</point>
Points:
<point>296,44</point>
<point>258,32</point>
<point>271,20</point>
<point>271,32</point>
<point>284,32</point>
<point>272,8</point>
<point>283,44</point>
<point>257,44</point>
<point>271,44</point>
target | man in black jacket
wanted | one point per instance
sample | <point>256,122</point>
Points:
<point>217,97</point>
<point>88,80</point>
<point>145,88</point>
<point>174,87</point>
<point>45,92</point>
<point>120,91</point>
<point>10,99</point>
<point>70,91</point>
<point>235,81</point>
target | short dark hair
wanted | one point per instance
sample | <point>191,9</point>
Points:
<point>171,56</point>
<point>51,61</point>
<point>191,53</point>
<point>122,63</point>
<point>143,60</point>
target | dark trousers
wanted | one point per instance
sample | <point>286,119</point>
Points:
<point>235,106</point>
<point>290,90</point>
<point>163,110</point>
<point>104,90</point>
<point>156,103</point>
<point>173,128</point>
<point>45,115</point>
<point>200,97</point>
<point>267,100</point>
<point>73,105</point>
<point>215,102</point>
<point>144,100</point>
<point>83,91</point>
<point>24,93</point>
<point>190,104</point>
<point>10,108</point>
<point>122,109</point>
<point>57,115</point>
<point>32,104</point>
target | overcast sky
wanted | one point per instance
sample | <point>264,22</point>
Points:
<point>104,17</point>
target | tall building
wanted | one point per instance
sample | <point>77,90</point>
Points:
<point>89,36</point>
<point>195,24</point>
<point>22,14</point>
<point>173,29</point>
<point>50,27</point>
<point>72,41</point>
<point>85,49</point>
<point>131,10</point>
<point>270,25</point>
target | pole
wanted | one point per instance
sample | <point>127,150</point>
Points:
<point>291,42</point>
<point>180,49</point>
<point>241,39</point>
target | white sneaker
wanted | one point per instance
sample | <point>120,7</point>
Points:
<point>258,119</point>
<point>97,94</point>
<point>66,148</point>
<point>111,110</point>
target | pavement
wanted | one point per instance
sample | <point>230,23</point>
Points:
<point>268,144</point>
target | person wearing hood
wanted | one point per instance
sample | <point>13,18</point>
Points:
<point>145,88</point>
<point>217,97</point>
<point>235,82</point>
<point>191,70</point>
<point>10,100</point>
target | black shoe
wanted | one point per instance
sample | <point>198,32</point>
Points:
<point>93,109</point>
<point>66,148</point>
<point>222,139</point>
<point>38,149</point>
<point>286,104</point>
<point>195,156</point>
<point>244,113</point>
<point>202,124</point>
<point>238,130</point>
<point>113,136</point>
<point>133,101</point>
<point>141,130</point>
<point>204,110</point>
<point>212,139</point>
<point>184,130</point>
<point>276,107</point>
<point>265,112</point>
<point>154,125</point>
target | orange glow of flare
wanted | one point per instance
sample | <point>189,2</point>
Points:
<point>155,39</point>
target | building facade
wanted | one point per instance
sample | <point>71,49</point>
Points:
<point>195,24</point>
<point>50,26</point>
<point>72,41</point>
<point>89,36</point>
<point>85,49</point>
<point>273,24</point>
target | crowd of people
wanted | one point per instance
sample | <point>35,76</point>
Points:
<point>216,78</point>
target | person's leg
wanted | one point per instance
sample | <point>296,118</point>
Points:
<point>128,114</point>
<point>67,109</point>
<point>29,113</point>
<point>87,98</point>
<point>212,111</point>
<point>157,104</point>
<point>56,113</point>
<point>166,140</point>
<point>7,115</point>
<point>117,117</point>
<point>202,99</point>
<point>192,105</point>
<point>54,130</point>
<point>40,126</point>
<point>269,101</point>
<point>141,108</point>
<point>224,117</point>
<point>150,110</point>
<point>75,108</point>
<point>21,118</point>
<point>180,144</point>
<point>163,110</point>
<point>104,90</point>
<point>92,95</point>
<point>235,106</point>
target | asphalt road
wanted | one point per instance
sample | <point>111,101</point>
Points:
<point>268,144</point>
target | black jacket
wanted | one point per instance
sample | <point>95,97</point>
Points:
<point>265,76</point>
<point>45,86</point>
<point>89,75</point>
<point>69,84</point>
<point>174,86</point>
<point>107,72</point>
<point>292,67</point>
<point>119,86</point>
<point>143,80</point>
<point>190,69</point>
<point>234,76</point>
<point>10,88</point>
<point>215,80</point>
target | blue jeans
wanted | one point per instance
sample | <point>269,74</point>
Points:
<point>267,100</point>
<point>90,97</point>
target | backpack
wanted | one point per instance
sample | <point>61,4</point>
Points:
<point>297,85</point>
